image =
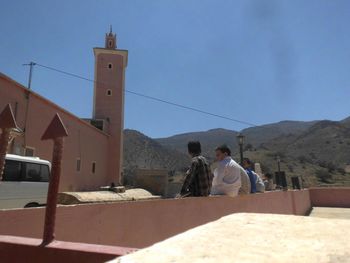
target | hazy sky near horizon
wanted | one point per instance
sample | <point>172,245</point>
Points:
<point>253,60</point>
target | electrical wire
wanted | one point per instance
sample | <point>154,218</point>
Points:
<point>150,97</point>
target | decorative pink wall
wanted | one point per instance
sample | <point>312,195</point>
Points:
<point>141,223</point>
<point>330,197</point>
<point>20,249</point>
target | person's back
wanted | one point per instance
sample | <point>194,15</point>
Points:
<point>247,164</point>
<point>227,178</point>
<point>198,178</point>
<point>245,181</point>
<point>260,186</point>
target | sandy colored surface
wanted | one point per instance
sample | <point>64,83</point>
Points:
<point>68,198</point>
<point>254,238</point>
<point>331,212</point>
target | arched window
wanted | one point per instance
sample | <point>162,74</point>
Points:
<point>109,92</point>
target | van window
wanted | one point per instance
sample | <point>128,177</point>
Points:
<point>31,172</point>
<point>12,171</point>
<point>34,172</point>
<point>45,173</point>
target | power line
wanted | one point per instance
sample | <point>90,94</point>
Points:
<point>150,97</point>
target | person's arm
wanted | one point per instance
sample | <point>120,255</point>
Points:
<point>252,181</point>
<point>189,178</point>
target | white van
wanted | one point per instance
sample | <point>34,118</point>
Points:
<point>24,182</point>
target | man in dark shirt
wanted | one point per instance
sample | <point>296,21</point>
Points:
<point>198,178</point>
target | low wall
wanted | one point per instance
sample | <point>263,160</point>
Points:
<point>330,197</point>
<point>20,249</point>
<point>142,223</point>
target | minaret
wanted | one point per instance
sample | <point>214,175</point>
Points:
<point>110,64</point>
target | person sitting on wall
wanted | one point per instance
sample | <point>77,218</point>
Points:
<point>227,177</point>
<point>198,177</point>
<point>245,181</point>
<point>268,181</point>
<point>247,165</point>
<point>260,186</point>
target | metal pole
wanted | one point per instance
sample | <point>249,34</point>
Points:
<point>278,159</point>
<point>31,64</point>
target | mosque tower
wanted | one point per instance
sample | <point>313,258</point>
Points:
<point>108,108</point>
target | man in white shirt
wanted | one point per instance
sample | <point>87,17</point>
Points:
<point>227,175</point>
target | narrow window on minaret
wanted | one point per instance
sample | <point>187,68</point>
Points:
<point>109,92</point>
<point>110,65</point>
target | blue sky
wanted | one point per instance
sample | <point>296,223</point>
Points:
<point>257,61</point>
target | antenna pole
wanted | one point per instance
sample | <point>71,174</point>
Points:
<point>31,64</point>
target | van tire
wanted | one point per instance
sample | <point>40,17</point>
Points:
<point>31,205</point>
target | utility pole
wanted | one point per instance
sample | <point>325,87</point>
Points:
<point>31,64</point>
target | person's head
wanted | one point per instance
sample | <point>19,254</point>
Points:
<point>247,163</point>
<point>268,176</point>
<point>222,152</point>
<point>194,148</point>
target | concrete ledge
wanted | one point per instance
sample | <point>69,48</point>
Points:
<point>20,249</point>
<point>330,197</point>
<point>254,238</point>
<point>70,198</point>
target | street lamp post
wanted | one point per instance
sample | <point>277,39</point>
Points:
<point>278,163</point>
<point>240,138</point>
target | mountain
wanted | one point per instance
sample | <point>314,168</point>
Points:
<point>141,151</point>
<point>261,134</point>
<point>254,136</point>
<point>318,151</point>
<point>209,140</point>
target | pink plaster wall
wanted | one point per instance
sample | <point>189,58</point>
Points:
<point>142,223</point>
<point>84,141</point>
<point>17,249</point>
<point>330,197</point>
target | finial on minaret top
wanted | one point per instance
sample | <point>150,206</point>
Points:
<point>111,40</point>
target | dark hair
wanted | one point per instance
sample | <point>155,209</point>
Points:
<point>224,149</point>
<point>268,175</point>
<point>194,147</point>
<point>247,161</point>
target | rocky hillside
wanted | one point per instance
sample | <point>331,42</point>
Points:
<point>209,140</point>
<point>318,151</point>
<point>141,151</point>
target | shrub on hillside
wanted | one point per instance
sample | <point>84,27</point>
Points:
<point>324,176</point>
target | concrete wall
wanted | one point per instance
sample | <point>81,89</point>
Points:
<point>56,251</point>
<point>140,224</point>
<point>330,197</point>
<point>84,141</point>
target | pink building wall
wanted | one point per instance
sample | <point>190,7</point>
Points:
<point>84,141</point>
<point>142,223</point>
